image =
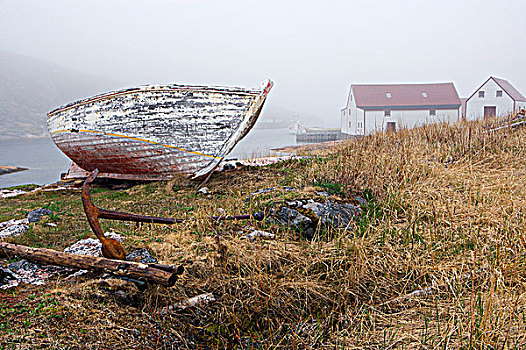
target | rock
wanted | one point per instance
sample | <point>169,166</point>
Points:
<point>263,190</point>
<point>23,265</point>
<point>6,275</point>
<point>31,273</point>
<point>203,190</point>
<point>361,201</point>
<point>90,246</point>
<point>197,301</point>
<point>333,213</point>
<point>259,234</point>
<point>141,255</point>
<point>295,204</point>
<point>228,166</point>
<point>8,278</point>
<point>36,215</point>
<point>11,193</point>
<point>294,219</point>
<point>13,228</point>
<point>14,222</point>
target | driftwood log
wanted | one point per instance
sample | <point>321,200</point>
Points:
<point>157,273</point>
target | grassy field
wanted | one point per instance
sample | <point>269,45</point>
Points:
<point>436,260</point>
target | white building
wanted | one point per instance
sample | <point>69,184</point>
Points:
<point>372,108</point>
<point>496,97</point>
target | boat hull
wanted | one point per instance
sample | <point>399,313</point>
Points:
<point>156,132</point>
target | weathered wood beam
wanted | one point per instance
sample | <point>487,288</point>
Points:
<point>161,274</point>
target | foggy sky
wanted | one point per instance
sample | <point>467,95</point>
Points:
<point>313,50</point>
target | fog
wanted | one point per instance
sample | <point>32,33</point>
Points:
<point>313,50</point>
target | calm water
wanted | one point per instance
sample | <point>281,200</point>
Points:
<point>43,159</point>
<point>45,162</point>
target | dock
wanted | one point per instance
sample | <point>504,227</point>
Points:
<point>316,135</point>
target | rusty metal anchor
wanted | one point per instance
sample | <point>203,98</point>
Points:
<point>113,249</point>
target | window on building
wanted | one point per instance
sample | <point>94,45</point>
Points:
<point>350,124</point>
<point>387,113</point>
<point>481,94</point>
<point>499,93</point>
<point>388,94</point>
<point>344,113</point>
<point>424,94</point>
<point>432,112</point>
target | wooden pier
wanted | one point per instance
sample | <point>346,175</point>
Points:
<point>315,135</point>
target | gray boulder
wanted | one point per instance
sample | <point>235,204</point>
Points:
<point>36,215</point>
<point>330,214</point>
<point>286,216</point>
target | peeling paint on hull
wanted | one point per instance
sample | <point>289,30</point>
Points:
<point>156,131</point>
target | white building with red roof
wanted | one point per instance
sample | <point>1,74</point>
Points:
<point>496,97</point>
<point>373,108</point>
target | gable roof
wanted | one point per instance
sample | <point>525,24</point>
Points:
<point>506,86</point>
<point>510,90</point>
<point>406,96</point>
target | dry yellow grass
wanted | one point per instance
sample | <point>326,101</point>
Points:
<point>451,226</point>
<point>436,260</point>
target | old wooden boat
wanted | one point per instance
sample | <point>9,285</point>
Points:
<point>155,131</point>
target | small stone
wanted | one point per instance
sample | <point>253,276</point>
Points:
<point>141,255</point>
<point>36,215</point>
<point>36,274</point>
<point>259,234</point>
<point>6,275</point>
<point>263,190</point>
<point>88,246</point>
<point>14,230</point>
<point>228,166</point>
<point>11,193</point>
<point>203,190</point>
<point>197,301</point>
<point>14,222</point>
<point>361,200</point>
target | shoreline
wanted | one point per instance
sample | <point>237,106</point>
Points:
<point>7,169</point>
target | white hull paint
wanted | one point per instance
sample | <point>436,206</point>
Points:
<point>156,131</point>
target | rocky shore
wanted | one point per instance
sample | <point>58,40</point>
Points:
<point>6,169</point>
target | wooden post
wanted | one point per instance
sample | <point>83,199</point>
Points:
<point>161,274</point>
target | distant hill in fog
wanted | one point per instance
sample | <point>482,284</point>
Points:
<point>30,87</point>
